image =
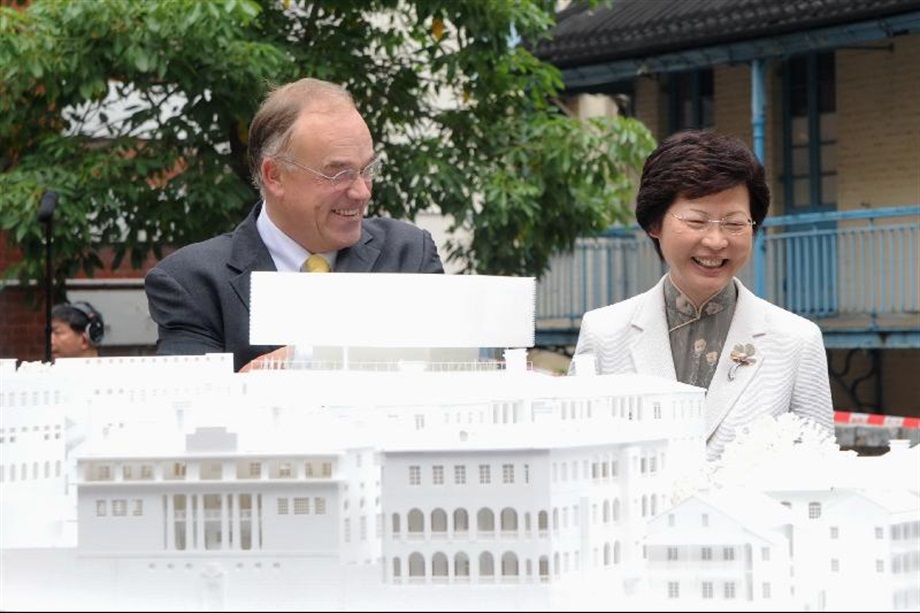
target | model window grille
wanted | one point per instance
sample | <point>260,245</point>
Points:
<point>814,510</point>
<point>301,506</point>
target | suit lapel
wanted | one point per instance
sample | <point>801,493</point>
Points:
<point>360,257</point>
<point>747,327</point>
<point>247,253</point>
<point>650,348</point>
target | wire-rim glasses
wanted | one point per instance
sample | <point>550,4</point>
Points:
<point>736,226</point>
<point>343,178</point>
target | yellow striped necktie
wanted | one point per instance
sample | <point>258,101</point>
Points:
<point>316,263</point>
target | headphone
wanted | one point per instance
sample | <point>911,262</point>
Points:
<point>95,329</point>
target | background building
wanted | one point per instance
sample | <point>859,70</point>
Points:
<point>827,93</point>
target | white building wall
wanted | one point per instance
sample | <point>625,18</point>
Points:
<point>591,469</point>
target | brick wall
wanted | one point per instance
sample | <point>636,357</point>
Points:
<point>22,309</point>
<point>649,105</point>
<point>878,108</point>
<point>22,325</point>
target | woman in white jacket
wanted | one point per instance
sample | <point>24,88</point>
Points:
<point>701,198</point>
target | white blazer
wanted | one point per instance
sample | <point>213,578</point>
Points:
<point>789,372</point>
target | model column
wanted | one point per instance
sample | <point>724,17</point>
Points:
<point>170,523</point>
<point>237,521</point>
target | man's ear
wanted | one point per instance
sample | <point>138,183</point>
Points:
<point>271,175</point>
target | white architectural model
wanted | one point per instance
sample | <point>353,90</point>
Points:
<point>172,483</point>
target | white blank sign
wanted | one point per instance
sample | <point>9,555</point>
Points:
<point>391,310</point>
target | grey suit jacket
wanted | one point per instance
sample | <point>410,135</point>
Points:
<point>789,374</point>
<point>199,295</point>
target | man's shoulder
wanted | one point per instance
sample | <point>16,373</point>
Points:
<point>219,248</point>
<point>388,226</point>
<point>208,250</point>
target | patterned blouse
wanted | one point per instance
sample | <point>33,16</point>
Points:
<point>698,334</point>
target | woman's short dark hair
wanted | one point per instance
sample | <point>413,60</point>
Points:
<point>697,163</point>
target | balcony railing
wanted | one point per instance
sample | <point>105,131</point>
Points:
<point>855,273</point>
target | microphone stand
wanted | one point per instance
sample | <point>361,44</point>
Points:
<point>46,216</point>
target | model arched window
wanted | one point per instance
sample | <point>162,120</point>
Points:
<point>509,564</point>
<point>509,520</point>
<point>485,520</point>
<point>439,521</point>
<point>416,565</point>
<point>439,566</point>
<point>486,564</point>
<point>461,520</point>
<point>415,523</point>
<point>461,565</point>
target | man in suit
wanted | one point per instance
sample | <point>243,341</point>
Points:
<point>312,158</point>
<point>701,198</point>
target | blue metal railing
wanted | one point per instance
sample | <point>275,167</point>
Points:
<point>850,271</point>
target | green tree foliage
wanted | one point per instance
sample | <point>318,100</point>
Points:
<point>136,113</point>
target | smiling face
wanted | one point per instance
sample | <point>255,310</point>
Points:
<point>701,263</point>
<point>320,216</point>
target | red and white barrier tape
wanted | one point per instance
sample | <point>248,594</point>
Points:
<point>845,418</point>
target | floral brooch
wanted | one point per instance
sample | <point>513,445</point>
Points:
<point>741,355</point>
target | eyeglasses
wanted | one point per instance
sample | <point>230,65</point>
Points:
<point>735,226</point>
<point>343,178</point>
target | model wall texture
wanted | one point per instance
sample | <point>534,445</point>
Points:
<point>289,490</point>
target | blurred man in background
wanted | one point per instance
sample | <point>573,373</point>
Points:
<point>77,329</point>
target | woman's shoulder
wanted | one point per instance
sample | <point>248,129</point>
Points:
<point>785,321</point>
<point>626,305</point>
